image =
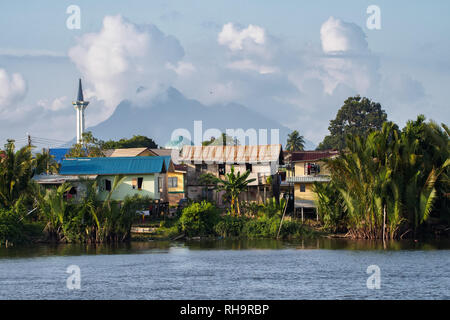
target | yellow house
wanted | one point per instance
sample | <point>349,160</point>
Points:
<point>175,175</point>
<point>307,167</point>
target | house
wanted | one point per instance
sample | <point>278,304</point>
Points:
<point>145,176</point>
<point>261,160</point>
<point>175,177</point>
<point>305,168</point>
<point>128,152</point>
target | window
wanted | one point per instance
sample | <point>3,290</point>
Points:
<point>107,185</point>
<point>140,180</point>
<point>222,169</point>
<point>248,166</point>
<point>173,182</point>
<point>198,167</point>
<point>302,187</point>
<point>160,183</point>
<point>204,166</point>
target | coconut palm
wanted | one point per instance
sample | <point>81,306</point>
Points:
<point>295,142</point>
<point>16,169</point>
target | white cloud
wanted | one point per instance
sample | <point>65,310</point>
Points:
<point>247,64</point>
<point>235,39</point>
<point>181,68</point>
<point>12,89</point>
<point>123,57</point>
<point>339,36</point>
<point>56,105</point>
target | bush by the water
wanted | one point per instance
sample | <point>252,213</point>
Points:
<point>15,230</point>
<point>198,219</point>
<point>203,219</point>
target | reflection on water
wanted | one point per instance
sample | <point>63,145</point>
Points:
<point>228,269</point>
<point>228,244</point>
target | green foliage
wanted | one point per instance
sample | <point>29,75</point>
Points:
<point>233,185</point>
<point>16,170</point>
<point>198,219</point>
<point>89,147</point>
<point>389,180</point>
<point>137,141</point>
<point>295,142</point>
<point>223,140</point>
<point>45,163</point>
<point>358,116</point>
<point>230,226</point>
<point>14,229</point>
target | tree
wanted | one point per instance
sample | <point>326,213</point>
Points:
<point>223,140</point>
<point>295,142</point>
<point>89,147</point>
<point>45,163</point>
<point>389,182</point>
<point>358,116</point>
<point>16,170</point>
<point>206,180</point>
<point>137,141</point>
<point>233,185</point>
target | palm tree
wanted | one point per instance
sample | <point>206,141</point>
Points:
<point>233,185</point>
<point>295,142</point>
<point>45,163</point>
<point>16,170</point>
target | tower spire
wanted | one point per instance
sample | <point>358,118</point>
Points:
<point>80,91</point>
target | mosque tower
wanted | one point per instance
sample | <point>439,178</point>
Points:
<point>79,106</point>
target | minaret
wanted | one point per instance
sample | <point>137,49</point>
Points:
<point>80,105</point>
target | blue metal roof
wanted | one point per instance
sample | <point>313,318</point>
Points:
<point>58,153</point>
<point>114,165</point>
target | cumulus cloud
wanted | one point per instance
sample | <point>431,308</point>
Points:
<point>235,39</point>
<point>12,89</point>
<point>123,57</point>
<point>55,105</point>
<point>339,36</point>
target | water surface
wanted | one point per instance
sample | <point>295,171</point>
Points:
<point>226,269</point>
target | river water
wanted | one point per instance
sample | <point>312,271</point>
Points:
<point>226,269</point>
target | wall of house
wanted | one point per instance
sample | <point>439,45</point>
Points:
<point>180,182</point>
<point>178,192</point>
<point>309,194</point>
<point>149,187</point>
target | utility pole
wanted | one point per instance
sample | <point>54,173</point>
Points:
<point>29,139</point>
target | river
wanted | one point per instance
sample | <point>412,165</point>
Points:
<point>228,269</point>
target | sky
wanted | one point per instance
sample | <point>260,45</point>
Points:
<point>293,61</point>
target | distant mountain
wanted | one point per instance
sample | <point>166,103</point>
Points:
<point>162,116</point>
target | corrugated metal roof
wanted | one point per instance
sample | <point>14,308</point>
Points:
<point>114,165</point>
<point>161,152</point>
<point>231,154</point>
<point>124,152</point>
<point>312,155</point>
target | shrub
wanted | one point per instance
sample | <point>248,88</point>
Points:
<point>198,219</point>
<point>13,229</point>
<point>230,226</point>
<point>263,227</point>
